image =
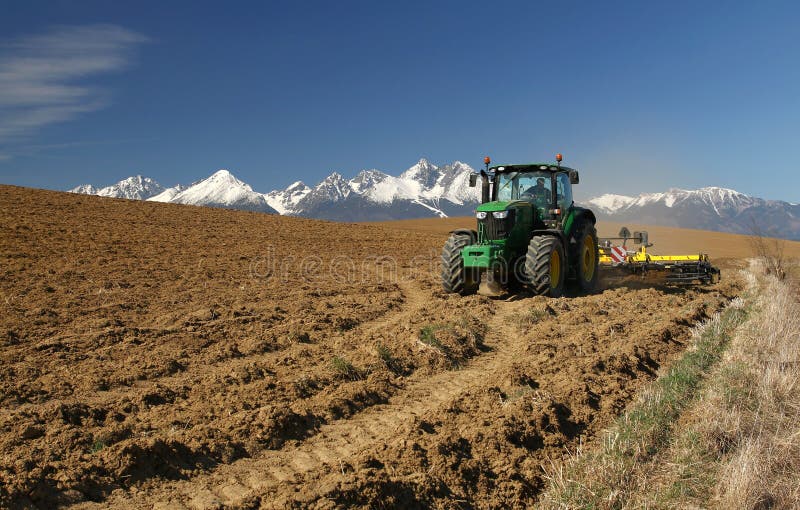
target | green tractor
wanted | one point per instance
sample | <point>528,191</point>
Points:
<point>530,233</point>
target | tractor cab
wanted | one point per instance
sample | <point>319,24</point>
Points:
<point>548,188</point>
<point>539,194</point>
<point>529,231</point>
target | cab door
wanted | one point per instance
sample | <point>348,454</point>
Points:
<point>563,193</point>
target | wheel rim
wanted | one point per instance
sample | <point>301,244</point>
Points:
<point>588,259</point>
<point>555,269</point>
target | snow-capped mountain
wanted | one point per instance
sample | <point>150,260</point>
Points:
<point>421,191</point>
<point>133,188</point>
<point>709,208</point>
<point>221,189</point>
<point>84,189</point>
<point>426,190</point>
<point>168,194</point>
<point>333,188</point>
<point>609,203</point>
<point>717,198</point>
<point>285,201</point>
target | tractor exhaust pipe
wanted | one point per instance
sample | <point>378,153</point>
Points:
<point>485,181</point>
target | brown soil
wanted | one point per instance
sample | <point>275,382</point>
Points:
<point>164,355</point>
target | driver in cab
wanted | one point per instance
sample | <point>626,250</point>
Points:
<point>539,193</point>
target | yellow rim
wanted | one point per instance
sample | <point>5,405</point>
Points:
<point>588,258</point>
<point>555,269</point>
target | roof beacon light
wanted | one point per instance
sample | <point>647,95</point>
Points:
<point>487,161</point>
<point>559,157</point>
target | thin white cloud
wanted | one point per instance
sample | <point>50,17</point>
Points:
<point>44,79</point>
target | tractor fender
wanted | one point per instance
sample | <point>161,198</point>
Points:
<point>552,232</point>
<point>582,214</point>
<point>473,235</point>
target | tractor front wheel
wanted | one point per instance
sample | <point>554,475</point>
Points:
<point>455,277</point>
<point>545,266</point>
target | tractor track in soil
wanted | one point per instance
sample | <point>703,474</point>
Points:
<point>163,366</point>
<point>268,478</point>
<point>334,444</point>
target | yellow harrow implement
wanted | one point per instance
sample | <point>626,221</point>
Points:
<point>678,269</point>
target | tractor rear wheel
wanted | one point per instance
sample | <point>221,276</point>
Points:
<point>588,256</point>
<point>545,266</point>
<point>455,277</point>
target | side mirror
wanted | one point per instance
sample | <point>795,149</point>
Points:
<point>473,180</point>
<point>574,178</point>
<point>640,238</point>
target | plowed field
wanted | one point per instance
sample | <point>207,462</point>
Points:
<point>155,355</point>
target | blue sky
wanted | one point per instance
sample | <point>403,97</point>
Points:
<point>640,96</point>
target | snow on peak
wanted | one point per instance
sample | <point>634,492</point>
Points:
<point>334,179</point>
<point>717,198</point>
<point>453,184</point>
<point>225,176</point>
<point>222,189</point>
<point>136,188</point>
<point>611,202</point>
<point>133,188</point>
<point>297,185</point>
<point>721,193</point>
<point>84,189</point>
<point>285,201</point>
<point>167,195</point>
<point>711,195</point>
<point>423,172</point>
<point>367,179</point>
<point>333,187</point>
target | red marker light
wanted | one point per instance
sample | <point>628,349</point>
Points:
<point>559,157</point>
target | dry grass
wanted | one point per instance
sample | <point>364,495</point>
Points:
<point>735,443</point>
<point>756,405</point>
<point>618,472</point>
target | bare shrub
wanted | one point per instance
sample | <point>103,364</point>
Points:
<point>769,249</point>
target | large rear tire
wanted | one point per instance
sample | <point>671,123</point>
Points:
<point>455,277</point>
<point>588,256</point>
<point>545,266</point>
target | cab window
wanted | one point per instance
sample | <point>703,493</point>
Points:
<point>531,186</point>
<point>563,191</point>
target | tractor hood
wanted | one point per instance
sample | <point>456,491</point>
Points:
<point>498,205</point>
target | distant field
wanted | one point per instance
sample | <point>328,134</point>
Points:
<point>666,240</point>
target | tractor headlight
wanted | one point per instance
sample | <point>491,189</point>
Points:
<point>481,215</point>
<point>500,215</point>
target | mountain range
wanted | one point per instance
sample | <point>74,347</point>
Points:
<point>711,208</point>
<point>426,190</point>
